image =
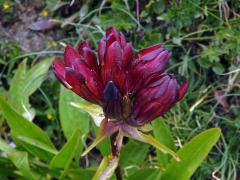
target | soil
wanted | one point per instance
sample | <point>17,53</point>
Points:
<point>14,26</point>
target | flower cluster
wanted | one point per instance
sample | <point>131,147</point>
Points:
<point>130,88</point>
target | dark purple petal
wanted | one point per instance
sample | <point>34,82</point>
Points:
<point>82,45</point>
<point>77,83</point>
<point>157,106</point>
<point>122,40</point>
<point>80,66</point>
<point>101,50</point>
<point>114,55</point>
<point>109,40</point>
<point>112,63</point>
<point>91,59</point>
<point>150,52</point>
<point>112,32</point>
<point>112,101</point>
<point>182,90</point>
<point>153,91</point>
<point>58,68</point>
<point>127,55</point>
<point>157,65</point>
<point>70,55</point>
<point>92,80</point>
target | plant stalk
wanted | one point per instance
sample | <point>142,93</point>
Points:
<point>116,144</point>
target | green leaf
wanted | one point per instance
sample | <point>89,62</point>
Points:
<point>17,99</point>
<point>162,134</point>
<point>38,144</point>
<point>101,168</point>
<point>83,174</point>
<point>106,168</point>
<point>5,147</point>
<point>106,129</point>
<point>19,159</point>
<point>192,154</point>
<point>25,83</point>
<point>93,110</point>
<point>218,68</point>
<point>146,174</point>
<point>71,117</point>
<point>149,139</point>
<point>51,4</point>
<point>65,156</point>
<point>96,141</point>
<point>136,134</point>
<point>36,75</point>
<point>20,126</point>
<point>133,153</point>
<point>105,145</point>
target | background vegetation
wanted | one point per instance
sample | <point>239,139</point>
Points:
<point>204,36</point>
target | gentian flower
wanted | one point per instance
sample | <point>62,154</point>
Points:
<point>132,89</point>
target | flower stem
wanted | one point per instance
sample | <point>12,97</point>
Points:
<point>118,173</point>
<point>116,144</point>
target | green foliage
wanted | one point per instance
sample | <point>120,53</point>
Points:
<point>72,118</point>
<point>8,50</point>
<point>104,146</point>
<point>65,156</point>
<point>183,15</point>
<point>20,126</point>
<point>146,173</point>
<point>119,17</point>
<point>19,159</point>
<point>24,83</point>
<point>133,153</point>
<point>191,154</point>
<point>163,135</point>
<point>204,38</point>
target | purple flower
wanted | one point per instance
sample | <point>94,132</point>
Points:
<point>132,89</point>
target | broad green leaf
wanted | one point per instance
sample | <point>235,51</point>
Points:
<point>93,110</point>
<point>38,144</point>
<point>96,141</point>
<point>24,83</point>
<point>149,139</point>
<point>163,135</point>
<point>17,99</point>
<point>19,159</point>
<point>105,145</point>
<point>71,117</point>
<point>133,153</point>
<point>6,171</point>
<point>5,147</point>
<point>83,174</point>
<point>146,174</point>
<point>101,168</point>
<point>20,126</point>
<point>106,129</point>
<point>36,75</point>
<point>106,168</point>
<point>192,154</point>
<point>65,156</point>
<point>137,135</point>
